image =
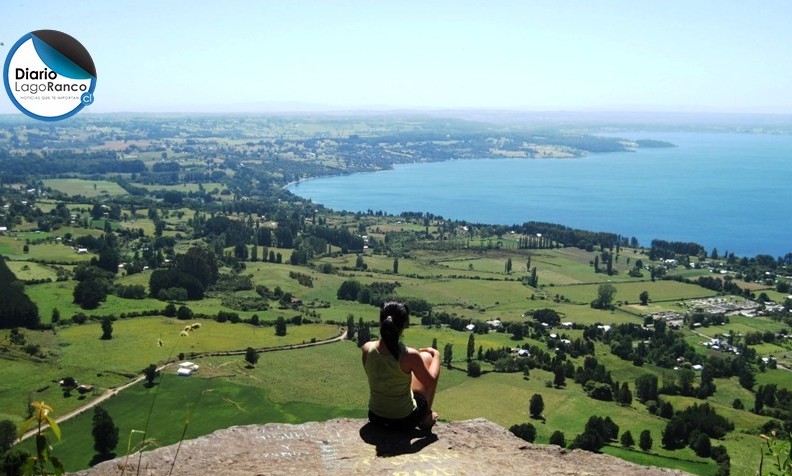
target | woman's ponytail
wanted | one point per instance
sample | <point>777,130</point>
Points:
<point>393,319</point>
<point>390,336</point>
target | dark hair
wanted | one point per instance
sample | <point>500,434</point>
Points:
<point>394,317</point>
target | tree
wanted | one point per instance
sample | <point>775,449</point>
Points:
<point>109,259</point>
<point>448,354</point>
<point>184,313</point>
<point>536,406</point>
<point>359,263</point>
<point>170,310</point>
<point>199,262</point>
<point>666,410</point>
<point>534,280</point>
<point>17,309</point>
<point>350,327</point>
<point>251,356</point>
<point>646,387</point>
<point>526,431</point>
<point>624,395</point>
<point>151,373</point>
<point>747,378</point>
<point>107,328</point>
<point>280,326</point>
<point>559,378</point>
<point>55,315</point>
<point>349,290</point>
<point>605,294</point>
<point>105,432</point>
<point>241,252</point>
<point>395,265</point>
<point>644,298</point>
<point>363,332</point>
<point>508,265</point>
<point>8,434</point>
<point>473,368</point>
<point>645,440</point>
<point>589,441</point>
<point>89,293</point>
<point>471,347</point>
<point>685,378</point>
<point>627,439</point>
<point>557,438</point>
<point>701,444</point>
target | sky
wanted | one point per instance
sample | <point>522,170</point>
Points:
<point>718,56</point>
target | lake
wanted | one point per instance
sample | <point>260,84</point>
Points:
<point>729,191</point>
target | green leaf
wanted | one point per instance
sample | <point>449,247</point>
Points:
<point>55,429</point>
<point>23,428</point>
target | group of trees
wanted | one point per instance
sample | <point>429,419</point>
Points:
<point>17,309</point>
<point>189,277</point>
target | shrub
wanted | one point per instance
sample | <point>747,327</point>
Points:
<point>526,431</point>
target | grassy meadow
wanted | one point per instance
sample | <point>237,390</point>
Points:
<point>327,381</point>
<point>86,188</point>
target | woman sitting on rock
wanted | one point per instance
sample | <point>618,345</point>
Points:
<point>402,380</point>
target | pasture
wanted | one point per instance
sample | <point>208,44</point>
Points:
<point>86,188</point>
<point>330,381</point>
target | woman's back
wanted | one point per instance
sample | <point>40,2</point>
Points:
<point>390,394</point>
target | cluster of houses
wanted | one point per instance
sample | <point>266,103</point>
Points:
<point>728,307</point>
<point>721,345</point>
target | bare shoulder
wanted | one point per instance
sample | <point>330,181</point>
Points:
<point>366,348</point>
<point>412,355</point>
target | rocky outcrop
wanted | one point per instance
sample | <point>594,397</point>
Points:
<point>345,446</point>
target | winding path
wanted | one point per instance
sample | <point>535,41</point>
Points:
<point>139,378</point>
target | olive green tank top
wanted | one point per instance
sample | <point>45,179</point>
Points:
<point>390,393</point>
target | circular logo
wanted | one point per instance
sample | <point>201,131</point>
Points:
<point>49,75</point>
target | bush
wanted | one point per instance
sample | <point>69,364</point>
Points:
<point>526,431</point>
<point>627,439</point>
<point>348,291</point>
<point>184,313</point>
<point>473,369</point>
<point>557,438</point>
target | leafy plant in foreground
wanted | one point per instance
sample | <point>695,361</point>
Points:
<point>41,417</point>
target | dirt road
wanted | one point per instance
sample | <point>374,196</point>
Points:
<point>114,391</point>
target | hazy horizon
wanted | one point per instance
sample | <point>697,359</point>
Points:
<point>709,57</point>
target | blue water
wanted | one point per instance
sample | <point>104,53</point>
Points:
<point>730,191</point>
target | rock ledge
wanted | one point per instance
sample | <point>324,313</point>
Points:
<point>347,446</point>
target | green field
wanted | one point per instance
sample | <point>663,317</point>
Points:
<point>327,381</point>
<point>86,188</point>
<point>135,345</point>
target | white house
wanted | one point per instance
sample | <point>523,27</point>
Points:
<point>186,369</point>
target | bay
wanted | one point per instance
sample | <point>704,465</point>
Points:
<point>724,190</point>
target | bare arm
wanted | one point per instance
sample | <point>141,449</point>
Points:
<point>365,349</point>
<point>426,374</point>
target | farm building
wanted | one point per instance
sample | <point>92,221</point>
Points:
<point>186,369</point>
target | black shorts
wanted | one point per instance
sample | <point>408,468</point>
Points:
<point>407,423</point>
